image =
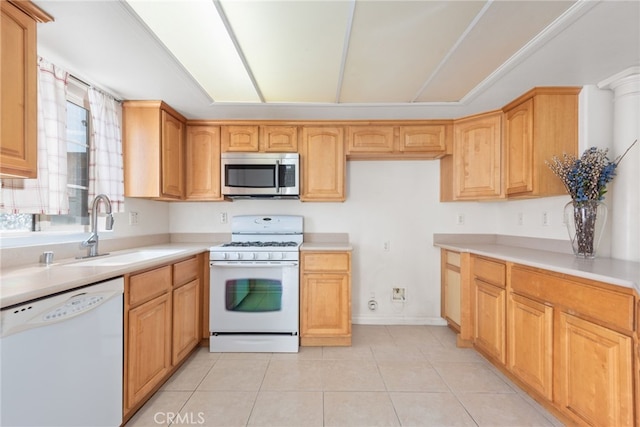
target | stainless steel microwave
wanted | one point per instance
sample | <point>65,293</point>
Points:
<point>267,175</point>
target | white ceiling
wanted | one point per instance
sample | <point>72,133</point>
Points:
<point>338,59</point>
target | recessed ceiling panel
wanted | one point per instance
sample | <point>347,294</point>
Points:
<point>194,33</point>
<point>294,48</point>
<point>504,28</point>
<point>396,45</point>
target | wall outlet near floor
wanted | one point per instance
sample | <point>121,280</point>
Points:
<point>133,218</point>
<point>399,294</point>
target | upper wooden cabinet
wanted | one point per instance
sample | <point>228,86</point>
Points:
<point>540,124</point>
<point>279,139</point>
<point>203,163</point>
<point>496,157</point>
<point>323,164</point>
<point>396,141</point>
<point>153,149</point>
<point>263,138</point>
<point>18,89</point>
<point>476,161</point>
<point>240,138</point>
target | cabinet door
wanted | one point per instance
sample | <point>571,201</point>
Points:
<point>149,347</point>
<point>423,139</point>
<point>594,370</point>
<point>518,134</point>
<point>172,156</point>
<point>323,164</point>
<point>18,80</point>
<point>370,139</point>
<point>279,139</point>
<point>240,138</point>
<point>489,333</point>
<point>477,157</point>
<point>203,163</point>
<point>325,306</point>
<point>186,319</point>
<point>530,343</point>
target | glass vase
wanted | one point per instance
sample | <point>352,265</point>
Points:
<point>585,223</point>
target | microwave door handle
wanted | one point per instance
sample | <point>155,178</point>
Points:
<point>278,176</point>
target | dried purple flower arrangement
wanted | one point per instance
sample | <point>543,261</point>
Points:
<point>586,182</point>
<point>586,178</point>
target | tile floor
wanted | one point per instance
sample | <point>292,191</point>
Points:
<point>391,376</point>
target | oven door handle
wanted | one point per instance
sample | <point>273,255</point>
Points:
<point>253,264</point>
<point>277,176</point>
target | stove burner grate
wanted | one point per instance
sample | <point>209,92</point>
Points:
<point>260,244</point>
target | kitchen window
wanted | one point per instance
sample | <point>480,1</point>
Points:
<point>78,124</point>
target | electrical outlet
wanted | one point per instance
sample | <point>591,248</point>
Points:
<point>399,294</point>
<point>520,219</point>
<point>387,246</point>
<point>460,219</point>
<point>133,218</point>
<point>223,217</point>
<point>545,218</point>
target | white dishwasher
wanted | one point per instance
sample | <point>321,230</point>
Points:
<point>61,359</point>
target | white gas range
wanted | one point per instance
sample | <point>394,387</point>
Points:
<point>254,286</point>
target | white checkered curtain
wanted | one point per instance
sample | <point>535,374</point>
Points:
<point>106,174</point>
<point>46,194</point>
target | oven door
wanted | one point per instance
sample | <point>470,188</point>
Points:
<point>254,298</point>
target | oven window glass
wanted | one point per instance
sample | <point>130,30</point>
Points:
<point>253,295</point>
<point>253,176</point>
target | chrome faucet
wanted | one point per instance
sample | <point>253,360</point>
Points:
<point>92,242</point>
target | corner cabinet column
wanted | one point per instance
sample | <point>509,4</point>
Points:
<point>625,191</point>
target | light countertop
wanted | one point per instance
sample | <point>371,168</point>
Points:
<point>28,282</point>
<point>326,246</point>
<point>609,270</point>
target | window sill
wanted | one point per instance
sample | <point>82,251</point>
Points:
<point>19,240</point>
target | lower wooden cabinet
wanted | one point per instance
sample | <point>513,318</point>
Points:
<point>489,332</point>
<point>451,289</point>
<point>490,307</point>
<point>571,343</point>
<point>148,339</point>
<point>325,298</point>
<point>594,373</point>
<point>530,343</point>
<point>162,326</point>
<point>186,308</point>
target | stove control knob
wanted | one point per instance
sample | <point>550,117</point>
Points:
<point>283,255</point>
<point>270,255</point>
<point>238,255</point>
<point>225,255</point>
<point>254,255</point>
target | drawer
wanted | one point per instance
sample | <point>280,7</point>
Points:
<point>453,258</point>
<point>490,271</point>
<point>148,285</point>
<point>185,271</point>
<point>576,296</point>
<point>326,261</point>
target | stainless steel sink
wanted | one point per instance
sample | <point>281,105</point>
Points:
<point>124,259</point>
